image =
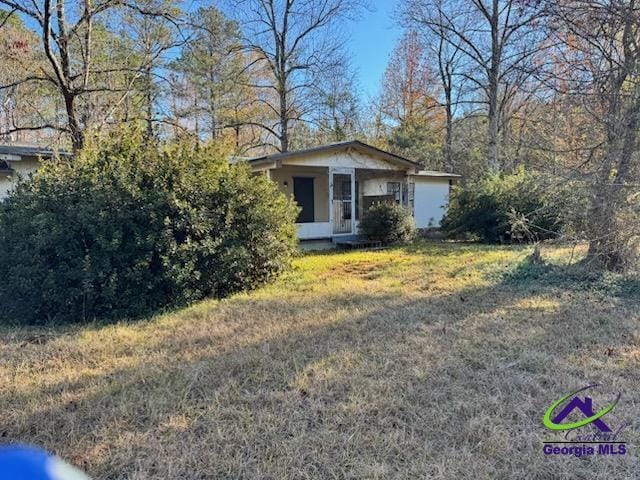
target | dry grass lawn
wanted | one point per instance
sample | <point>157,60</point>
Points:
<point>434,361</point>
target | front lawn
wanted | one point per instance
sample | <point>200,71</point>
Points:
<point>434,361</point>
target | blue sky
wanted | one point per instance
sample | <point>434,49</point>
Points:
<point>373,37</point>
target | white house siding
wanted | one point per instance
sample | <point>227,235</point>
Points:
<point>371,187</point>
<point>312,231</point>
<point>20,168</point>
<point>431,198</point>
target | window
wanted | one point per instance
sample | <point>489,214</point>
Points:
<point>393,189</point>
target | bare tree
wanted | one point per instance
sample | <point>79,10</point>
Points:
<point>21,105</point>
<point>599,48</point>
<point>409,84</point>
<point>409,102</point>
<point>443,47</point>
<point>294,41</point>
<point>67,32</point>
<point>336,114</point>
<point>497,40</point>
<point>448,55</point>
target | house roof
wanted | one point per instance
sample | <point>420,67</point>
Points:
<point>335,147</point>
<point>23,150</point>
<point>433,173</point>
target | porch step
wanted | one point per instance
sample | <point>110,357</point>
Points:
<point>358,244</point>
<point>316,245</point>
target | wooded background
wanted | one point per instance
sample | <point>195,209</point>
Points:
<point>472,86</point>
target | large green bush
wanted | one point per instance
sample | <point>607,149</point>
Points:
<point>125,230</point>
<point>523,206</point>
<point>387,222</point>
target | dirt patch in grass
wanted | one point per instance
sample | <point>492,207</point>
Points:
<point>365,269</point>
<point>434,361</point>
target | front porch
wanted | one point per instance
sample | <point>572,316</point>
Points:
<point>333,199</point>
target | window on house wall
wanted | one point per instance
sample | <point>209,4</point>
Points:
<point>393,189</point>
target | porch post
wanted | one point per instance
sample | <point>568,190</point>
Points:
<point>407,182</point>
<point>330,199</point>
<point>353,201</point>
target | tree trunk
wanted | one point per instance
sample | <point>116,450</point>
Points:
<point>196,115</point>
<point>284,121</point>
<point>213,114</point>
<point>494,72</point>
<point>606,247</point>
<point>448,134</point>
<point>77,134</point>
<point>149,103</point>
<point>610,246</point>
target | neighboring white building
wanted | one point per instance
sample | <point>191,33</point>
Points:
<point>334,184</point>
<point>20,160</point>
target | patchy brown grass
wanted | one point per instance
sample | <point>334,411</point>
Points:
<point>426,362</point>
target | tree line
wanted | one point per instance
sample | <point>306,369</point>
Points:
<point>267,76</point>
<point>472,86</point>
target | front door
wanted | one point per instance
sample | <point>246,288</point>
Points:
<point>303,195</point>
<point>341,204</point>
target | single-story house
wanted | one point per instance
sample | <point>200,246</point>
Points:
<point>20,160</point>
<point>334,184</point>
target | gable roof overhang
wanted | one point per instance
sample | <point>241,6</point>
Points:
<point>16,153</point>
<point>435,174</point>
<point>275,160</point>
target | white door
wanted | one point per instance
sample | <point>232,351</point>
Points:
<point>341,191</point>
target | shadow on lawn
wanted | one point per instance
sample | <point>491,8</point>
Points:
<point>576,277</point>
<point>396,388</point>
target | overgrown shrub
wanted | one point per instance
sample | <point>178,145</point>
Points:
<point>125,230</point>
<point>387,222</point>
<point>524,206</point>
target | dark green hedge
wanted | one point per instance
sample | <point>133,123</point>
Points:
<point>523,206</point>
<point>124,230</point>
<point>387,222</point>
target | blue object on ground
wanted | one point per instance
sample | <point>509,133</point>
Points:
<point>20,462</point>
